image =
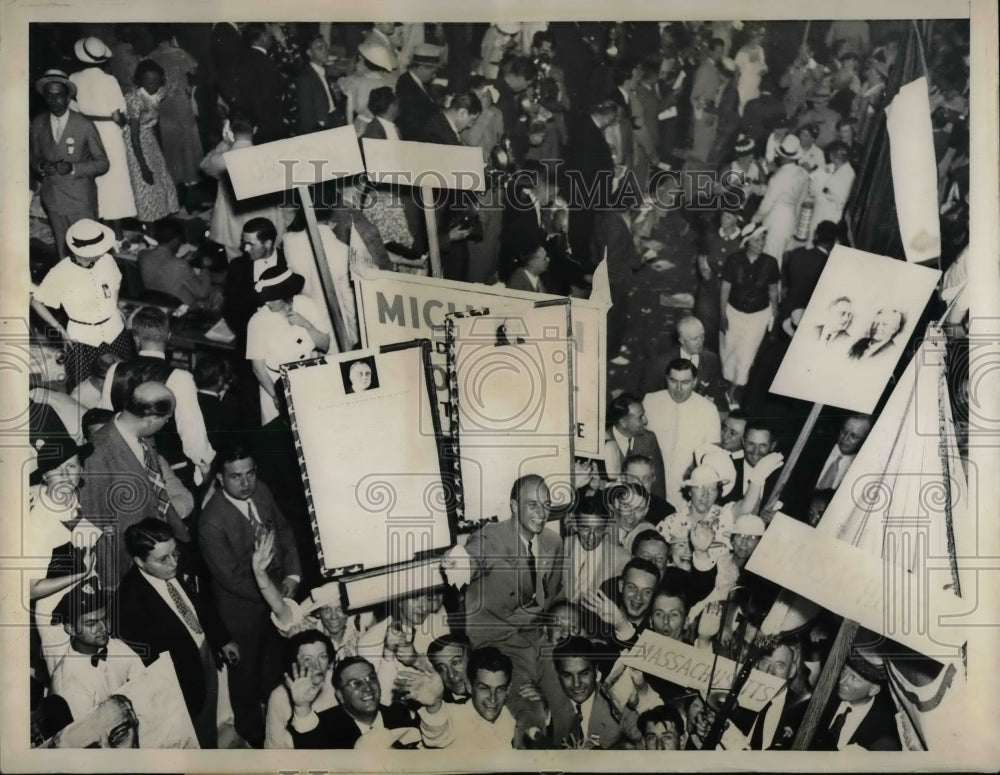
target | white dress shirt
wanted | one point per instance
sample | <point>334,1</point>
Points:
<point>391,133</point>
<point>58,124</point>
<point>321,72</point>
<point>843,462</point>
<point>853,720</point>
<point>679,430</point>
<point>161,589</point>
<point>85,686</point>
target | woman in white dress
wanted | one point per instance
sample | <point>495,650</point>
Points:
<point>752,66</point>
<point>786,190</point>
<point>100,98</point>
<point>281,331</point>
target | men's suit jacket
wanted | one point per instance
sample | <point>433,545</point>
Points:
<point>708,383</point>
<point>438,130</point>
<point>497,601</point>
<point>415,107</point>
<point>117,492</point>
<point>601,725</point>
<point>587,154</point>
<point>257,87</point>
<point>338,730</point>
<point>76,192</point>
<point>227,539</point>
<point>643,444</point>
<point>151,627</point>
<point>876,732</point>
<point>374,130</point>
<point>519,282</point>
<point>314,106</point>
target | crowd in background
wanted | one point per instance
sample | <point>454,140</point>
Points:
<point>695,176</point>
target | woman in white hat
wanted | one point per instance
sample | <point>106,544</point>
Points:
<point>85,284</point>
<point>498,41</point>
<point>786,191</point>
<point>281,331</point>
<point>376,65</point>
<point>100,98</point>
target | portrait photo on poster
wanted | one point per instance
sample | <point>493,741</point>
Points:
<point>854,330</point>
<point>359,375</point>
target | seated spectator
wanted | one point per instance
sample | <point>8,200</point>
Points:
<point>308,650</point>
<point>164,271</point>
<point>358,714</point>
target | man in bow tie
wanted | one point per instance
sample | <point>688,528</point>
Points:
<point>95,665</point>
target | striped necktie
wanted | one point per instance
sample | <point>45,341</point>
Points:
<point>155,476</point>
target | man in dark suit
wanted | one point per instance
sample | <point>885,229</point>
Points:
<point>861,714</point>
<point>259,253</point>
<point>126,481</point>
<point>690,345</point>
<point>416,106</point>
<point>589,167</point>
<point>627,435</point>
<point>159,612</point>
<point>582,716</point>
<point>444,128</point>
<point>357,715</point>
<point>241,511</point>
<point>256,85</point>
<point>775,726</point>
<point>383,106</point>
<point>66,152</point>
<point>212,377</point>
<point>516,573</point>
<point>802,268</point>
<point>316,106</point>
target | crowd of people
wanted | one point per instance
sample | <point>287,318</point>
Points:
<point>185,482</point>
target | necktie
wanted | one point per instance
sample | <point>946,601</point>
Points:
<point>100,656</point>
<point>258,527</point>
<point>155,477</point>
<point>757,738</point>
<point>60,127</point>
<point>838,726</point>
<point>184,609</point>
<point>829,478</point>
<point>628,448</point>
<point>577,731</point>
<point>532,570</point>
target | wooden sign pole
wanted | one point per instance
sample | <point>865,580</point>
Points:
<point>326,279</point>
<point>430,218</point>
<point>826,684</point>
<point>793,457</point>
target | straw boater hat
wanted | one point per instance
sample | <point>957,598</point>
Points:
<point>748,525</point>
<point>509,28</point>
<point>89,239</point>
<point>426,54</point>
<point>867,664</point>
<point>789,147</point>
<point>55,76</point>
<point>750,231</point>
<point>376,52</point>
<point>92,50</point>
<point>278,282</point>
<point>321,597</point>
<point>744,144</point>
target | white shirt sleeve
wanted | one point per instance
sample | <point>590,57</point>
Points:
<point>190,422</point>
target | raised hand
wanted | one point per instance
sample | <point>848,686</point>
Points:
<point>302,689</point>
<point>421,686</point>
<point>263,553</point>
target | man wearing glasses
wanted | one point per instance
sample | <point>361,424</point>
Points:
<point>358,721</point>
<point>159,612</point>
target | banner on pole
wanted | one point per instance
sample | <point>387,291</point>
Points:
<point>298,161</point>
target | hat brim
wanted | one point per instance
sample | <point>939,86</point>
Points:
<point>422,60</point>
<point>45,80</point>
<point>92,249</point>
<point>283,290</point>
<point>83,56</point>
